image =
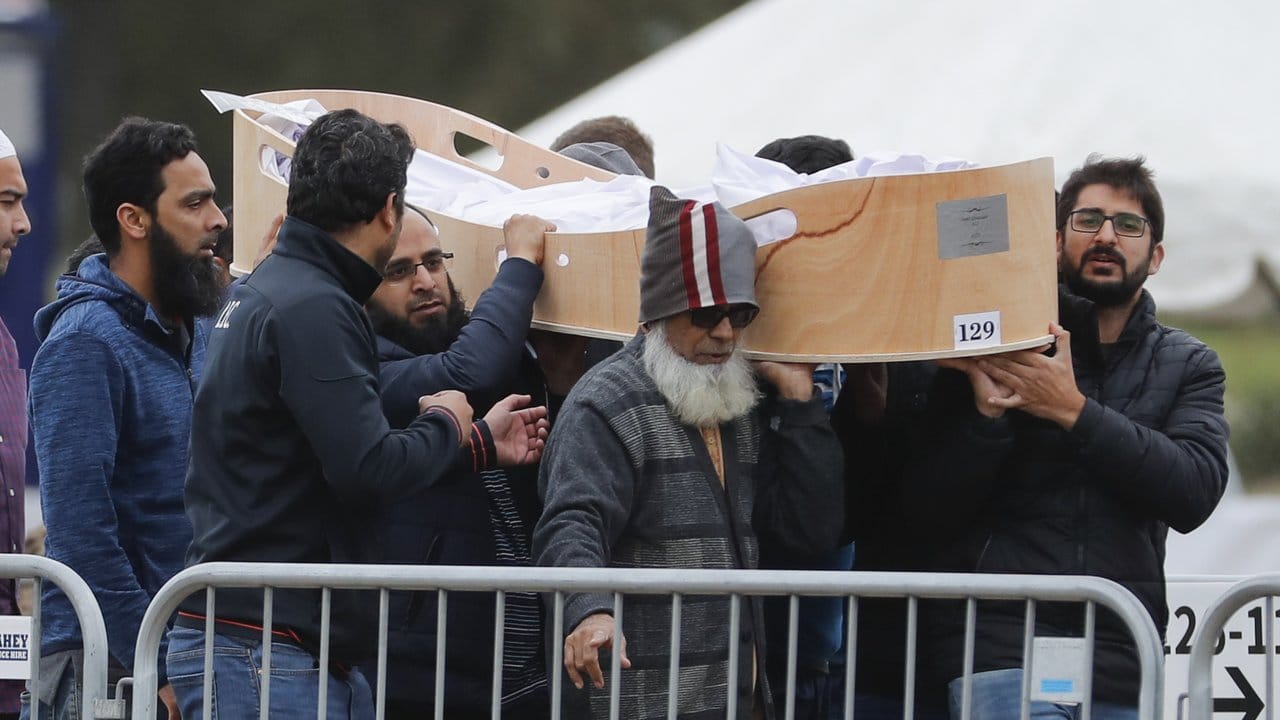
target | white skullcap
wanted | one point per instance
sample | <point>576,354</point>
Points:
<point>6,148</point>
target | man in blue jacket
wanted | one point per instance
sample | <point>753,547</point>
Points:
<point>111,392</point>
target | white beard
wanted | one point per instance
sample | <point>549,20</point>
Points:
<point>699,395</point>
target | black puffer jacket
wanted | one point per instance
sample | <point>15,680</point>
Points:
<point>1022,495</point>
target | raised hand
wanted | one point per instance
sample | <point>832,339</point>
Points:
<point>794,381</point>
<point>986,391</point>
<point>1042,386</point>
<point>519,432</point>
<point>525,236</point>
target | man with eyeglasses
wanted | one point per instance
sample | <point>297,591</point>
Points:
<point>428,342</point>
<point>666,455</point>
<point>1076,461</point>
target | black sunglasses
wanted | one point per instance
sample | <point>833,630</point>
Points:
<point>739,316</point>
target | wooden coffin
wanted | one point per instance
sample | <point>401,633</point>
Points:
<point>889,268</point>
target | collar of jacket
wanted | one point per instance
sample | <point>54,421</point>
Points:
<point>303,241</point>
<point>96,280</point>
<point>1079,316</point>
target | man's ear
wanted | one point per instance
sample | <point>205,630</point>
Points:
<point>134,221</point>
<point>388,215</point>
<point>1157,257</point>
<point>1058,240</point>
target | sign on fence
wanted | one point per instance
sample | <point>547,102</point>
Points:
<point>1239,666</point>
<point>15,647</point>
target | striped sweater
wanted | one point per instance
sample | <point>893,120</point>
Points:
<point>625,484</point>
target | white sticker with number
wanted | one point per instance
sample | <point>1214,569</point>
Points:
<point>976,330</point>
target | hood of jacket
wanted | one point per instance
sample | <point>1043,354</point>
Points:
<point>94,281</point>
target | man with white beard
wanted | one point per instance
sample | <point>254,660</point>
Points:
<point>669,454</point>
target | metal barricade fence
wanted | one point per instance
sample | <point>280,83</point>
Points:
<point>95,702</point>
<point>736,584</point>
<point>1208,641</point>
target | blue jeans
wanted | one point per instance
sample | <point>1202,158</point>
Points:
<point>237,663</point>
<point>997,695</point>
<point>61,690</point>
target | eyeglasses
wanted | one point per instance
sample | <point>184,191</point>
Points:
<point>739,316</point>
<point>1125,224</point>
<point>435,263</point>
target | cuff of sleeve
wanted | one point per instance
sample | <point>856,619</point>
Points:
<point>801,412</point>
<point>1091,418</point>
<point>580,606</point>
<point>453,420</point>
<point>521,272</point>
<point>484,453</point>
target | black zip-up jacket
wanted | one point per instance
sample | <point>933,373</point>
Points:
<point>290,452</point>
<point>1022,495</point>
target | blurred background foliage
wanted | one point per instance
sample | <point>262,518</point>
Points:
<point>507,61</point>
<point>1249,351</point>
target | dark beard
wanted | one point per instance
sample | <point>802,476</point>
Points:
<point>185,285</point>
<point>1110,293</point>
<point>434,336</point>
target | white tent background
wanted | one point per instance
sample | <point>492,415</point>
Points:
<point>1194,87</point>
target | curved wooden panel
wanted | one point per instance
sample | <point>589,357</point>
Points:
<point>879,268</point>
<point>864,277</point>
<point>258,197</point>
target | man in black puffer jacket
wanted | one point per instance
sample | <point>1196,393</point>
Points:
<point>1078,461</point>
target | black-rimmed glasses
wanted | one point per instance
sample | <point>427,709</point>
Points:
<point>1125,224</point>
<point>435,263</point>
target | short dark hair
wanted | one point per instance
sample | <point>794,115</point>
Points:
<point>1128,175</point>
<point>611,129</point>
<point>225,247</point>
<point>344,167</point>
<point>91,246</point>
<point>807,153</point>
<point>126,168</point>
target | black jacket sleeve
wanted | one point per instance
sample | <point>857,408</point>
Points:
<point>799,502</point>
<point>328,380</point>
<point>1176,473</point>
<point>483,360</point>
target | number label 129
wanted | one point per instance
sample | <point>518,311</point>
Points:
<point>976,330</point>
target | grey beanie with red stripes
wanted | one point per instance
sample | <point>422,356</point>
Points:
<point>695,255</point>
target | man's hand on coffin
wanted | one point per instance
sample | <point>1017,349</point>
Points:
<point>525,237</point>
<point>563,358</point>
<point>793,381</point>
<point>268,242</point>
<point>1042,386</point>
<point>519,432</point>
<point>986,391</point>
<point>454,402</point>
<point>582,649</point>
